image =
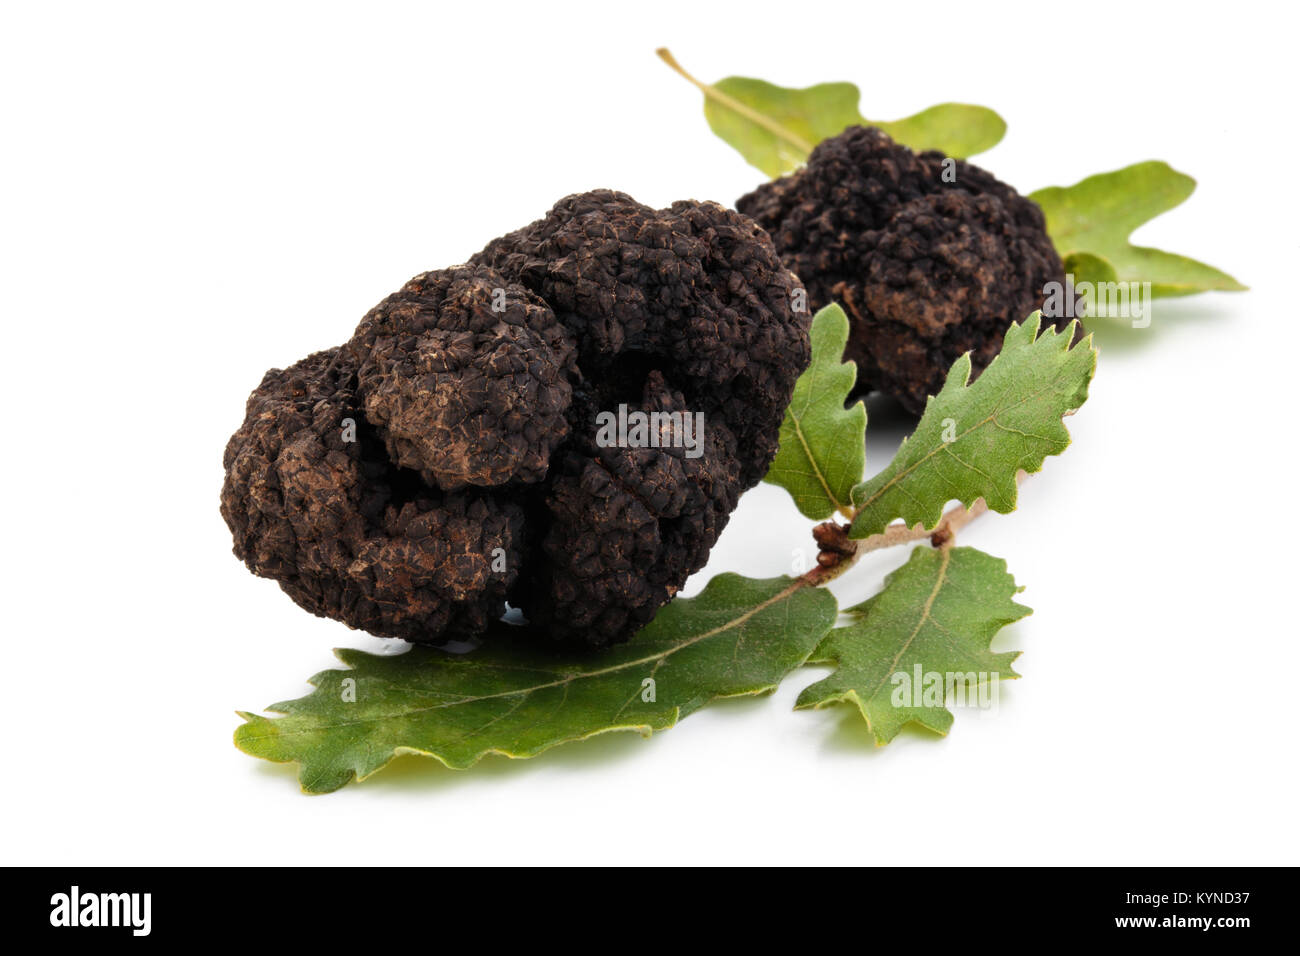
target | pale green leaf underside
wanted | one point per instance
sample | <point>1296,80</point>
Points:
<point>1090,223</point>
<point>797,120</point>
<point>822,451</point>
<point>1007,420</point>
<point>776,127</point>
<point>939,612</point>
<point>960,130</point>
<point>738,636</point>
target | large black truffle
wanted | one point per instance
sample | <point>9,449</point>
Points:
<point>467,377</point>
<point>931,257</point>
<point>347,533</point>
<point>475,396</point>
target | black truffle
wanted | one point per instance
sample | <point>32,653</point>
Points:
<point>927,265</point>
<point>478,474</point>
<point>347,533</point>
<point>467,377</point>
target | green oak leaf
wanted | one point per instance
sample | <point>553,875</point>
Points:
<point>927,631</point>
<point>822,451</point>
<point>776,127</point>
<point>738,636</point>
<point>960,130</point>
<point>975,437</point>
<point>1090,223</point>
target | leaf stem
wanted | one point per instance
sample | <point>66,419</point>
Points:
<point>849,551</point>
<point>843,552</point>
<point>755,117</point>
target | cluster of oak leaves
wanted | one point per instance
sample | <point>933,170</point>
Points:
<point>937,613</point>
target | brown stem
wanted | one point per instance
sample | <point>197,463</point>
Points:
<point>839,552</point>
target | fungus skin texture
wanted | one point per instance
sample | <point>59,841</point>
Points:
<point>346,533</point>
<point>475,477</point>
<point>926,269</point>
<point>460,393</point>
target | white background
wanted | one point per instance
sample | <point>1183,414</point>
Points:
<point>193,195</point>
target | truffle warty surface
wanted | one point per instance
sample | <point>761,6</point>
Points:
<point>930,257</point>
<point>472,476</point>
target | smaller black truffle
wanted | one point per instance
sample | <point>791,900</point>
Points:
<point>931,257</point>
